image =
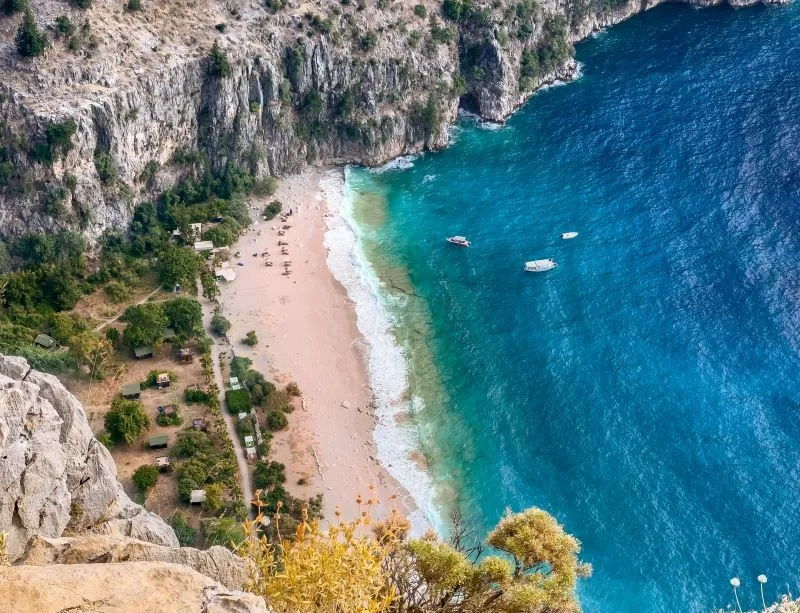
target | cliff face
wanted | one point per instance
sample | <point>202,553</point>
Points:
<point>324,82</point>
<point>55,477</point>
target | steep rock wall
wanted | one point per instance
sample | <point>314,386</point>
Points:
<point>319,83</point>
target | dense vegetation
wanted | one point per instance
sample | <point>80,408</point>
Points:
<point>385,571</point>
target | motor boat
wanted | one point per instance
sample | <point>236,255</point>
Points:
<point>459,240</point>
<point>540,265</point>
<point>568,235</point>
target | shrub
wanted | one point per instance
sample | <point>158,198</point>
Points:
<point>218,65</point>
<point>268,474</point>
<point>213,501</point>
<point>238,401</point>
<point>30,40</point>
<point>192,395</point>
<point>183,530</point>
<point>292,389</point>
<point>224,531</point>
<point>83,4</point>
<point>106,440</point>
<point>220,325</point>
<point>106,167</point>
<point>126,420</point>
<point>118,292</point>
<point>250,338</point>
<point>368,42</point>
<point>134,5</point>
<point>272,209</point>
<point>10,7</point>
<point>276,420</point>
<point>191,443</point>
<point>278,401</point>
<point>173,419</point>
<point>192,475</point>
<point>244,427</point>
<point>145,477</point>
<point>112,335</point>
<point>420,10</point>
<point>265,187</point>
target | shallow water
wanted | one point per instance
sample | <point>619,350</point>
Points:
<point>646,392</point>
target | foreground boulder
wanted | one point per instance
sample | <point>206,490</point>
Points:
<point>155,587</point>
<point>55,477</point>
<point>215,562</point>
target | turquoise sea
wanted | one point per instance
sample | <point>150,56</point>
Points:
<point>647,391</point>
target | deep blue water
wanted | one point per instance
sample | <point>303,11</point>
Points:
<point>647,391</point>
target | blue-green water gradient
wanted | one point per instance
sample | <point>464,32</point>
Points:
<point>647,391</point>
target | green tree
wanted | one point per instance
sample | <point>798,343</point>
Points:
<point>126,420</point>
<point>213,501</point>
<point>145,324</point>
<point>225,531</point>
<point>220,325</point>
<point>145,477</point>
<point>268,475</point>
<point>251,338</point>
<point>185,316</point>
<point>30,40</point>
<point>177,265</point>
<point>218,64</point>
<point>276,420</point>
<point>191,443</point>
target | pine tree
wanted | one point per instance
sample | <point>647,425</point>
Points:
<point>31,41</point>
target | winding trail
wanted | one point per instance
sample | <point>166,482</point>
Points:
<point>121,313</point>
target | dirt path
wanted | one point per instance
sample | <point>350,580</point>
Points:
<point>244,470</point>
<point>120,314</point>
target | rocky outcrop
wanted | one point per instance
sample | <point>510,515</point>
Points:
<point>216,562</point>
<point>154,587</point>
<point>55,477</point>
<point>328,82</point>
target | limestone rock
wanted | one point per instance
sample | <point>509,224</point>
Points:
<point>54,475</point>
<point>218,563</point>
<point>155,587</point>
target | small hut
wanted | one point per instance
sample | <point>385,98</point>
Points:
<point>158,442</point>
<point>199,424</point>
<point>197,497</point>
<point>48,342</point>
<point>248,441</point>
<point>168,334</point>
<point>163,464</point>
<point>186,356</point>
<point>250,453</point>
<point>132,390</point>
<point>162,380</point>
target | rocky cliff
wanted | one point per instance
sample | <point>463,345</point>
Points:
<point>297,83</point>
<point>55,477</point>
<point>76,540</point>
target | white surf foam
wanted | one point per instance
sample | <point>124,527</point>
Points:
<point>403,162</point>
<point>386,362</point>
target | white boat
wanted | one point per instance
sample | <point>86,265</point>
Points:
<point>568,235</point>
<point>459,240</point>
<point>540,265</point>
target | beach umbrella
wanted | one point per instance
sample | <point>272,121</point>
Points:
<point>762,579</point>
<point>736,583</point>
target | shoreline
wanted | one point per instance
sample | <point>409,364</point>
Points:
<point>308,333</point>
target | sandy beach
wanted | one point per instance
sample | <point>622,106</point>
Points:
<point>307,333</point>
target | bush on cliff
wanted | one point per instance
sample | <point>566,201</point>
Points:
<point>30,40</point>
<point>10,7</point>
<point>218,65</point>
<point>126,420</point>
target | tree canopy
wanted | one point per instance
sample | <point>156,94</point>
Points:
<point>185,316</point>
<point>177,265</point>
<point>145,324</point>
<point>126,420</point>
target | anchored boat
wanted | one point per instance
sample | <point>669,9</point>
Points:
<point>459,240</point>
<point>540,265</point>
<point>568,235</point>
